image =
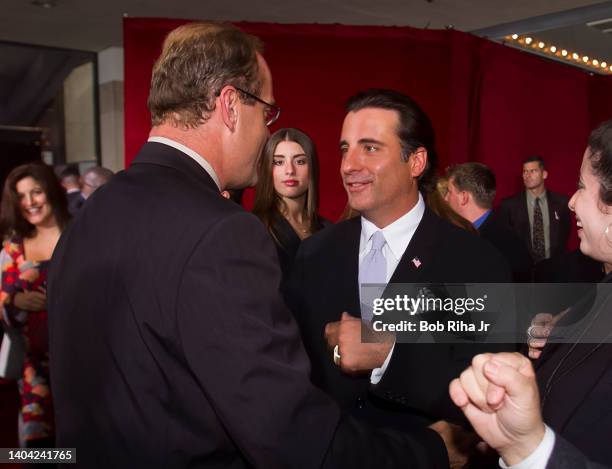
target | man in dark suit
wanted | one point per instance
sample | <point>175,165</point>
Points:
<point>471,191</point>
<point>388,153</point>
<point>539,216</point>
<point>71,182</point>
<point>499,395</point>
<point>170,345</point>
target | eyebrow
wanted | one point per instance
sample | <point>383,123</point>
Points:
<point>283,156</point>
<point>365,141</point>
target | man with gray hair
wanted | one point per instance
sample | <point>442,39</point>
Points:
<point>471,192</point>
<point>93,178</point>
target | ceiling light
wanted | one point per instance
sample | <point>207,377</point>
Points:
<point>528,40</point>
<point>604,65</point>
<point>541,45</point>
<point>585,59</point>
<point>575,56</point>
<point>515,36</point>
<point>553,49</point>
<point>595,62</point>
<point>563,52</point>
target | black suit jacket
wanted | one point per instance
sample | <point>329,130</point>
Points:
<point>510,245</point>
<point>566,456</point>
<point>171,347</point>
<point>324,283</point>
<point>513,212</point>
<point>75,202</point>
<point>576,382</point>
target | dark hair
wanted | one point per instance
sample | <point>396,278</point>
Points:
<point>267,201</point>
<point>475,178</point>
<point>535,159</point>
<point>196,62</point>
<point>600,146</point>
<point>11,220</point>
<point>414,130</point>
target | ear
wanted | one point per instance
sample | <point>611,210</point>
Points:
<point>228,102</point>
<point>418,161</point>
<point>544,174</point>
<point>464,197</point>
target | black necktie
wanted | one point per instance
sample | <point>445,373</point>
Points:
<point>539,250</point>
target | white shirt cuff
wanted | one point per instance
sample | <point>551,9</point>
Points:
<point>377,373</point>
<point>539,458</point>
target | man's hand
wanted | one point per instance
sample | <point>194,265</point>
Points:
<point>499,396</point>
<point>35,300</point>
<point>541,326</point>
<point>460,443</point>
<point>355,356</point>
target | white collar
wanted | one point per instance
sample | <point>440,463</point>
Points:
<point>399,233</point>
<point>191,153</point>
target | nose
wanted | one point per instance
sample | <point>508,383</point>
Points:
<point>27,200</point>
<point>572,202</point>
<point>290,168</point>
<point>350,162</point>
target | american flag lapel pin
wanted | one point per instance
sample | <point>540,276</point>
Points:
<point>417,262</point>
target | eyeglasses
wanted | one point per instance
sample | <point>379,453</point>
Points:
<point>272,111</point>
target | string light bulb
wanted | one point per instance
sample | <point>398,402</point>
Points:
<point>528,42</point>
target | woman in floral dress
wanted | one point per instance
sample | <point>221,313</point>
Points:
<point>32,217</point>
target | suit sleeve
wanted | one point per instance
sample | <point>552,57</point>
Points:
<point>244,349</point>
<point>566,456</point>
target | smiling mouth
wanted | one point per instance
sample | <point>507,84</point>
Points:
<point>290,182</point>
<point>357,186</point>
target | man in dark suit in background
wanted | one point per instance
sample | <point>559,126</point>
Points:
<point>388,154</point>
<point>71,182</point>
<point>539,216</point>
<point>471,191</point>
<point>170,345</point>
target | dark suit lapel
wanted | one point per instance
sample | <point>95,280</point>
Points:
<point>523,219</point>
<point>553,220</point>
<point>347,255</point>
<point>418,256</point>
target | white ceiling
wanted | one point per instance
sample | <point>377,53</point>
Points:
<point>94,26</point>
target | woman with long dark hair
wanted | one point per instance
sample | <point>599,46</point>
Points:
<point>34,212</point>
<point>287,194</point>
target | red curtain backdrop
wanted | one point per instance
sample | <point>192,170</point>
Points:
<point>488,102</point>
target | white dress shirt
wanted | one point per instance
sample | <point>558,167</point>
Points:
<point>191,153</point>
<point>397,236</point>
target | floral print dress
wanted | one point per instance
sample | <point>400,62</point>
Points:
<point>19,275</point>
